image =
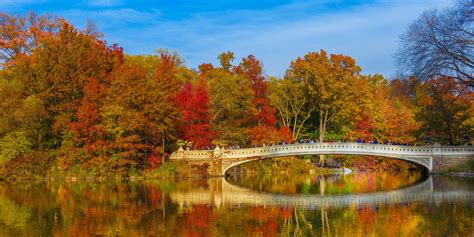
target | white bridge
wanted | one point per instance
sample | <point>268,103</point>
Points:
<point>219,193</point>
<point>221,159</point>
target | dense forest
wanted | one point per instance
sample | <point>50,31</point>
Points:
<point>69,101</point>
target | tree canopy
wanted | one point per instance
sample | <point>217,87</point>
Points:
<point>67,93</point>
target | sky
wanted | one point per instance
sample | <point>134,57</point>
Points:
<point>275,32</point>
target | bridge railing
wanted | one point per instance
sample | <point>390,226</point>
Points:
<point>192,154</point>
<point>327,148</point>
<point>344,148</point>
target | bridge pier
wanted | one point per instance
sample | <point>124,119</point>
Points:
<point>446,164</point>
<point>215,167</point>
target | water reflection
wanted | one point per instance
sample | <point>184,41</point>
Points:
<point>436,206</point>
<point>219,192</point>
<point>330,184</point>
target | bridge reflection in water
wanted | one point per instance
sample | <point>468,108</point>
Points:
<point>220,192</point>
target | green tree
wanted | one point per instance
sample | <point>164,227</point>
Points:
<point>12,145</point>
<point>289,98</point>
<point>230,98</point>
<point>329,81</point>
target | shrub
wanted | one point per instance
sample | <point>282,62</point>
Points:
<point>12,145</point>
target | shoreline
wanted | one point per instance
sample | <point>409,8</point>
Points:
<point>143,177</point>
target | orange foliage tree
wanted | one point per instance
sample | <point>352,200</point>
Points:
<point>446,109</point>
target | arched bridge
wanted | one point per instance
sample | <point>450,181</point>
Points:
<point>221,193</point>
<point>433,158</point>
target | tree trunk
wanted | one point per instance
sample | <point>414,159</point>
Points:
<point>321,135</point>
<point>294,135</point>
<point>164,147</point>
<point>321,132</point>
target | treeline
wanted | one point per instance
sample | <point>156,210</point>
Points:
<point>69,99</point>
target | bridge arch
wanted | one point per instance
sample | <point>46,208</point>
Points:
<point>424,162</point>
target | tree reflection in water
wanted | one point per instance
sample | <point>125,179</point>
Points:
<point>211,207</point>
<point>330,184</point>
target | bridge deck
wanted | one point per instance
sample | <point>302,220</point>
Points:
<point>422,155</point>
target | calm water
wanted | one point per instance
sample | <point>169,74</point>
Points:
<point>360,204</point>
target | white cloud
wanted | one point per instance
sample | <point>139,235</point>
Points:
<point>17,3</point>
<point>368,33</point>
<point>102,3</point>
<point>113,17</point>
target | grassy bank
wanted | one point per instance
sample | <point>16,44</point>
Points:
<point>40,166</point>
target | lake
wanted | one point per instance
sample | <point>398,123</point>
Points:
<point>357,204</point>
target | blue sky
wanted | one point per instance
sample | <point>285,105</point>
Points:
<point>276,31</point>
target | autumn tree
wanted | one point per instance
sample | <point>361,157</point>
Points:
<point>381,114</point>
<point>20,112</point>
<point>61,69</point>
<point>446,109</point>
<point>124,118</point>
<point>288,97</point>
<point>50,62</point>
<point>364,127</point>
<point>193,102</point>
<point>399,122</point>
<point>226,59</point>
<point>370,96</point>
<point>166,85</point>
<point>262,119</point>
<point>86,129</point>
<point>329,81</point>
<point>230,99</point>
<point>251,68</point>
<point>146,62</point>
<point>401,117</point>
<point>141,113</point>
<point>19,35</point>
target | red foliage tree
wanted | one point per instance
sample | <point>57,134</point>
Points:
<point>86,130</point>
<point>263,135</point>
<point>154,160</point>
<point>251,68</point>
<point>284,134</point>
<point>262,128</point>
<point>193,102</point>
<point>363,127</point>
